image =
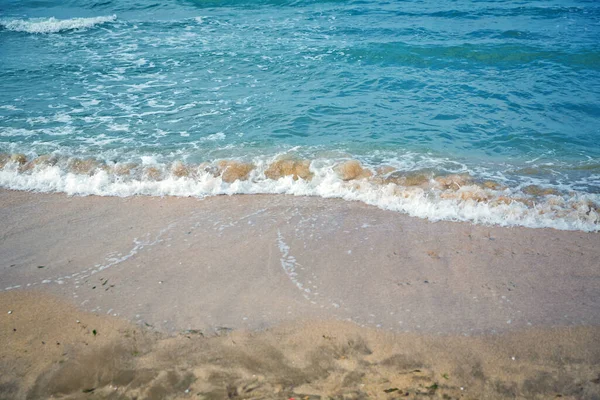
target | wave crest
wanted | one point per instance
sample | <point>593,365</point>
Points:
<point>53,25</point>
<point>421,194</point>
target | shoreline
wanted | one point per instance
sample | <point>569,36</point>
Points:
<point>254,261</point>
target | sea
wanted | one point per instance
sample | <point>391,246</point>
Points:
<point>478,111</point>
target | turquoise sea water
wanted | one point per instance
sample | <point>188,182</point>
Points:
<point>507,91</point>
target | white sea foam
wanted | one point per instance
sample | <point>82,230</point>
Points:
<point>214,137</point>
<point>9,131</point>
<point>10,107</point>
<point>505,207</point>
<point>118,127</point>
<point>53,25</point>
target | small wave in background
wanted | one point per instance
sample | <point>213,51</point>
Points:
<point>53,25</point>
<point>482,112</point>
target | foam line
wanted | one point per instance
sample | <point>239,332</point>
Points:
<point>449,198</point>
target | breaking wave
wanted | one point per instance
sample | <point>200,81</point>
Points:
<point>420,194</point>
<point>53,25</point>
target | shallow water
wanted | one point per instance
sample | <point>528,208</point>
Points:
<point>498,91</point>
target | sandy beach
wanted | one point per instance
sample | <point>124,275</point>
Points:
<point>299,199</point>
<point>268,296</point>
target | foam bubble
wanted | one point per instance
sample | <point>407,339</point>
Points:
<point>53,25</point>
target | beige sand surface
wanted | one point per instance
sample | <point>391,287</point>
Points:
<point>53,350</point>
<point>244,274</point>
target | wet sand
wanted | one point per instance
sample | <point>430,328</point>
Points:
<point>293,295</point>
